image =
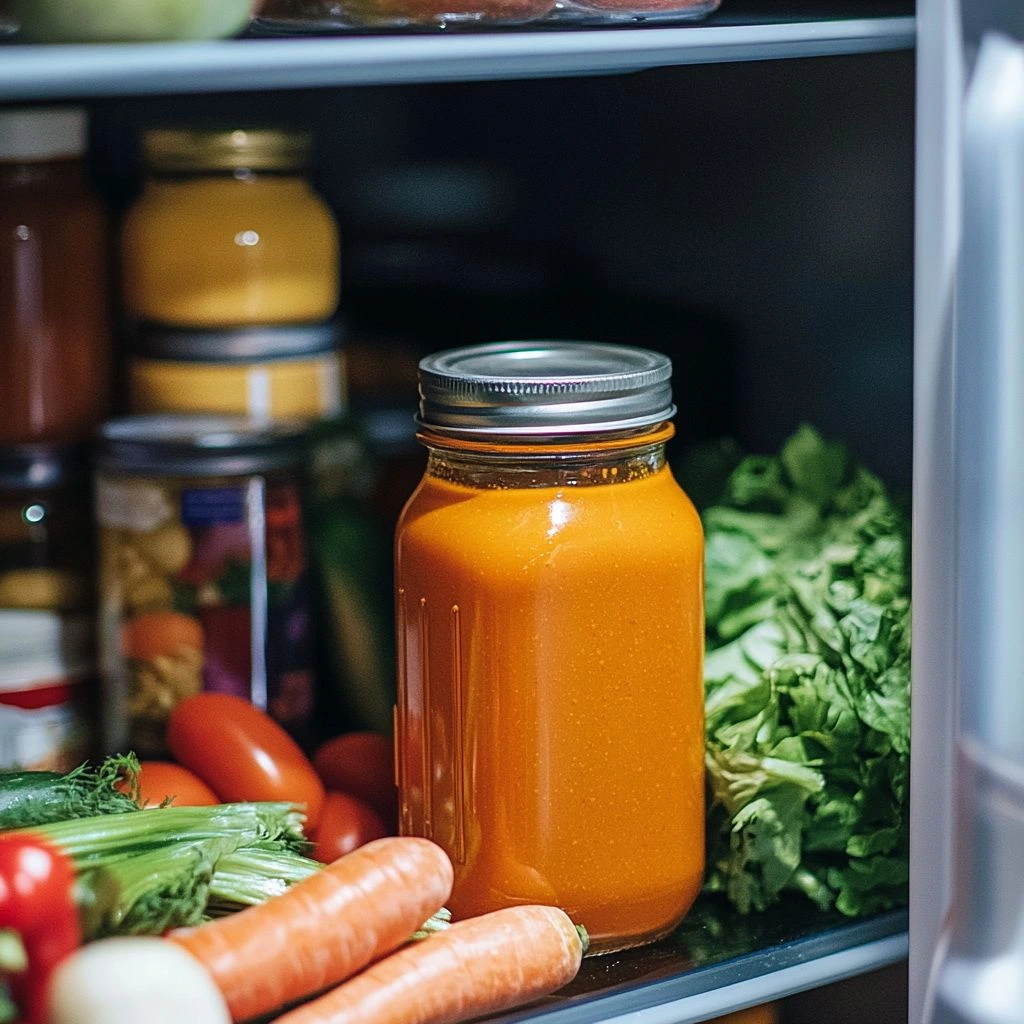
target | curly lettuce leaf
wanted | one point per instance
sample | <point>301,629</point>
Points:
<point>807,679</point>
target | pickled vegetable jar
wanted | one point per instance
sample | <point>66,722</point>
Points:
<point>203,576</point>
<point>549,575</point>
<point>229,232</point>
<point>261,372</point>
<point>47,612</point>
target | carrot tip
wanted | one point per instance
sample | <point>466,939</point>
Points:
<point>584,937</point>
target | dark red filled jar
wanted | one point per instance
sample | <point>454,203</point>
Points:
<point>54,314</point>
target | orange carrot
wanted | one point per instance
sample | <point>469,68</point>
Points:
<point>481,965</point>
<point>324,928</point>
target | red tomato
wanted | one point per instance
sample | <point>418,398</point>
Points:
<point>241,753</point>
<point>161,779</point>
<point>361,764</point>
<point>345,824</point>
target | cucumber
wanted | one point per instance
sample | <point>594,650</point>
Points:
<point>39,798</point>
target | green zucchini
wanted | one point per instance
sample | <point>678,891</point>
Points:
<point>40,798</point>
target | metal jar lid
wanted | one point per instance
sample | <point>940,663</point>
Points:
<point>198,446</point>
<point>237,345</point>
<point>181,150</point>
<point>26,467</point>
<point>533,389</point>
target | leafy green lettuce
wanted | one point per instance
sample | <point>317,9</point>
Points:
<point>807,680</point>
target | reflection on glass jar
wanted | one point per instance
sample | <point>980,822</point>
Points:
<point>47,655</point>
<point>203,580</point>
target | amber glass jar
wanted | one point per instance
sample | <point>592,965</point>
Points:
<point>550,639</point>
<point>228,232</point>
<point>54,323</point>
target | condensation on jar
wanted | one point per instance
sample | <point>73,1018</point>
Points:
<point>204,582</point>
<point>549,575</point>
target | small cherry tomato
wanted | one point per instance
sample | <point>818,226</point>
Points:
<point>361,764</point>
<point>241,753</point>
<point>345,824</point>
<point>159,780</point>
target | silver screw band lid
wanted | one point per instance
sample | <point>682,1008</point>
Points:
<point>535,389</point>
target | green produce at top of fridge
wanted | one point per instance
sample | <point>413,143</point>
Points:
<point>807,680</point>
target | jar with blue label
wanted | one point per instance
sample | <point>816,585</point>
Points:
<point>204,582</point>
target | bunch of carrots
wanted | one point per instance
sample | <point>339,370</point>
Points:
<point>343,936</point>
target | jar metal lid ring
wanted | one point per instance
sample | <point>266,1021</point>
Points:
<point>533,389</point>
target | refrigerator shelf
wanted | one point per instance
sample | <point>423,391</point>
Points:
<point>719,961</point>
<point>762,31</point>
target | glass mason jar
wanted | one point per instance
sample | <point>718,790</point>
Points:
<point>228,232</point>
<point>204,582</point>
<point>549,575</point>
<point>47,612</point>
<point>54,316</point>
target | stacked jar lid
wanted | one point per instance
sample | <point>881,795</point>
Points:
<point>230,278</point>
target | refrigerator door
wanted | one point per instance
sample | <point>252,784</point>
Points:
<point>937,215</point>
<point>977,975</point>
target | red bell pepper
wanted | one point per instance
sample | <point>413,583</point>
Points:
<point>37,907</point>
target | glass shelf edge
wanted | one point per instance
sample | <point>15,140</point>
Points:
<point>762,975</point>
<point>40,73</point>
<point>766,988</point>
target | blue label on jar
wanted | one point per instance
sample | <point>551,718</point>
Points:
<point>204,506</point>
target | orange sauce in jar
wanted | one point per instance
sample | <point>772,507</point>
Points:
<point>550,718</point>
<point>229,232</point>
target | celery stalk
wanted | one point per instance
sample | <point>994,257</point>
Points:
<point>148,893</point>
<point>142,873</point>
<point>108,838</point>
<point>252,875</point>
<point>441,920</point>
